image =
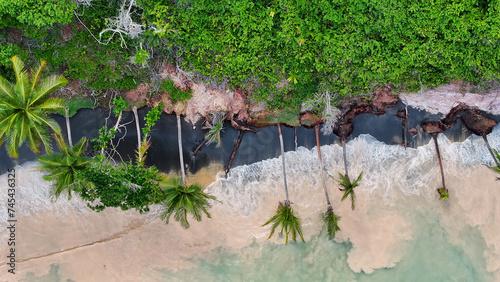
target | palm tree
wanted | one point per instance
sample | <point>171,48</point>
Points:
<point>64,166</point>
<point>329,217</point>
<point>482,126</point>
<point>348,187</point>
<point>343,130</point>
<point>24,106</point>
<point>284,215</point>
<point>434,128</point>
<point>182,199</point>
<point>443,192</point>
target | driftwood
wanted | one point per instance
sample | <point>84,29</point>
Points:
<point>235,148</point>
<point>240,127</point>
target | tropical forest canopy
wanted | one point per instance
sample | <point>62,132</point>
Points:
<point>277,50</point>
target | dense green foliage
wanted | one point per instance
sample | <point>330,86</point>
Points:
<point>289,222</point>
<point>176,94</point>
<point>24,106</point>
<point>182,201</point>
<point>125,186</point>
<point>63,167</point>
<point>282,51</point>
<point>344,46</point>
<point>36,13</point>
<point>151,117</point>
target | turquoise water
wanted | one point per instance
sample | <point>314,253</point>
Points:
<point>430,257</point>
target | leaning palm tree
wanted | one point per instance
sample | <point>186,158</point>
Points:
<point>24,106</point>
<point>434,128</point>
<point>285,216</point>
<point>344,130</point>
<point>182,199</point>
<point>64,166</point>
<point>329,217</point>
<point>482,126</point>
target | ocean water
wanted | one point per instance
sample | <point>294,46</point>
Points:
<point>399,230</point>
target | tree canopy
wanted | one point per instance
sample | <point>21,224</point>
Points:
<point>282,52</point>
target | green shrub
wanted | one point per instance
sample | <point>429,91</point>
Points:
<point>176,94</point>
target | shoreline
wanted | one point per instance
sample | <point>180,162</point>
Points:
<point>378,225</point>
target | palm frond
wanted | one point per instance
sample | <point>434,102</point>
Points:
<point>331,220</point>
<point>48,86</point>
<point>64,166</point>
<point>289,222</point>
<point>6,88</point>
<point>348,187</point>
<point>22,85</point>
<point>51,105</point>
<point>443,194</point>
<point>181,201</point>
<point>36,77</point>
<point>213,134</point>
<point>140,154</point>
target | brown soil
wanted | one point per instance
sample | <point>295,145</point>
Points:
<point>309,119</point>
<point>433,127</point>
<point>343,130</point>
<point>477,123</point>
<point>139,94</point>
<point>383,98</point>
<point>455,114</point>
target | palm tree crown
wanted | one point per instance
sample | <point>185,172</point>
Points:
<point>181,200</point>
<point>24,106</point>
<point>64,166</point>
<point>348,187</point>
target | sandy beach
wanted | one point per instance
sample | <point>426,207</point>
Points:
<point>71,242</point>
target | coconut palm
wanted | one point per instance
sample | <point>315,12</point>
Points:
<point>182,199</point>
<point>434,128</point>
<point>348,187</point>
<point>63,166</point>
<point>331,220</point>
<point>344,180</point>
<point>284,215</point>
<point>443,192</point>
<point>24,106</point>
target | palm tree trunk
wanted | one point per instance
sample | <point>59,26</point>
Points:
<point>233,153</point>
<point>138,128</point>
<point>295,137</point>
<point>181,156</point>
<point>434,136</point>
<point>490,150</point>
<point>287,202</point>
<point>344,150</point>
<point>68,127</point>
<point>322,175</point>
